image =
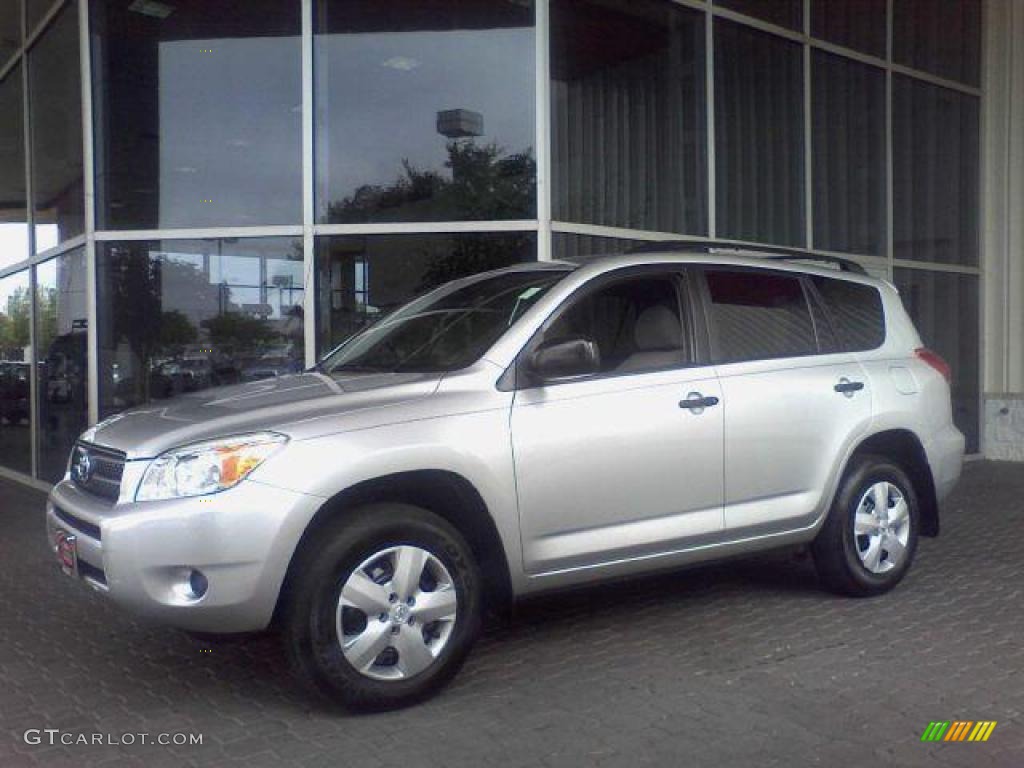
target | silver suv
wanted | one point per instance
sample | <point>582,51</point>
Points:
<point>522,430</point>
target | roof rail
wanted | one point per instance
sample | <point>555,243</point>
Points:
<point>845,265</point>
<point>773,252</point>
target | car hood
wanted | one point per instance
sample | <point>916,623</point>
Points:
<point>299,405</point>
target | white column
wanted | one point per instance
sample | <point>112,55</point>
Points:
<point>1003,228</point>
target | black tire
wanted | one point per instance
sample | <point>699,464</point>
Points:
<point>309,627</point>
<point>835,549</point>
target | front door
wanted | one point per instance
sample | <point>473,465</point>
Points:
<point>627,462</point>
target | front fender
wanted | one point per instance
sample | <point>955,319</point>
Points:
<point>475,446</point>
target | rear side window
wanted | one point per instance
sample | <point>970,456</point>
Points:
<point>856,312</point>
<point>759,315</point>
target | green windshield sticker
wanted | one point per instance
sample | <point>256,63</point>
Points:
<point>528,293</point>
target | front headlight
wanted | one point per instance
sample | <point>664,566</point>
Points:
<point>209,467</point>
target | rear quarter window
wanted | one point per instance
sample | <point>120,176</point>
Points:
<point>856,312</point>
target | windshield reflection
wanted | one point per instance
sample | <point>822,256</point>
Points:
<point>446,329</point>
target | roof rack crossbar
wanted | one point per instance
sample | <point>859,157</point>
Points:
<point>773,252</point>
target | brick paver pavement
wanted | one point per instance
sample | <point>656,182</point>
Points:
<point>748,663</point>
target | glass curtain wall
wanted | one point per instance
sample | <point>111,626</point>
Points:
<point>15,373</point>
<point>198,113</point>
<point>424,110</point>
<point>62,410</point>
<point>225,213</point>
<point>794,138</point>
<point>13,200</point>
<point>181,316</point>
<point>55,117</point>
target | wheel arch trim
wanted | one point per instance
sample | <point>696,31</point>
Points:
<point>430,489</point>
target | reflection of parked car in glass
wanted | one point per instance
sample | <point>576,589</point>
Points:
<point>165,378</point>
<point>14,390</point>
<point>197,373</point>
<point>269,366</point>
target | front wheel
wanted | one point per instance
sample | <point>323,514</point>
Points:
<point>869,538</point>
<point>384,608</point>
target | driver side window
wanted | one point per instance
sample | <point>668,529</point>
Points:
<point>636,323</point>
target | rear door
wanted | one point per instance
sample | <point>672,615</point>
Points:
<point>792,401</point>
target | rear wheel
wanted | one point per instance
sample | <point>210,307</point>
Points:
<point>385,608</point>
<point>868,541</point>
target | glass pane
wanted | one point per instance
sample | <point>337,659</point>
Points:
<point>361,277</point>
<point>857,24</point>
<point>198,114</point>
<point>61,375</point>
<point>15,445</point>
<point>759,108</point>
<point>931,298</point>
<point>582,248</point>
<point>758,316</point>
<point>848,134</point>
<point>939,36</point>
<point>13,214</point>
<point>447,329</point>
<point>634,322</point>
<point>36,10</point>
<point>935,173</point>
<point>628,115</point>
<point>56,118</point>
<point>855,310</point>
<point>785,13</point>
<point>185,315</point>
<point>10,29</point>
<point>425,110</point>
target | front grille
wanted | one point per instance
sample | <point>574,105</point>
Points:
<point>77,523</point>
<point>97,470</point>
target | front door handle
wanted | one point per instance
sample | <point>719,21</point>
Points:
<point>695,402</point>
<point>847,387</point>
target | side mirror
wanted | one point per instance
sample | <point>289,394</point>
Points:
<point>561,359</point>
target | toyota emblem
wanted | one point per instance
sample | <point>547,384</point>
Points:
<point>83,466</point>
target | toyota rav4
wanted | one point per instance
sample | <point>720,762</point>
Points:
<point>531,428</point>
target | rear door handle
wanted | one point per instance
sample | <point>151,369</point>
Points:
<point>695,402</point>
<point>847,387</point>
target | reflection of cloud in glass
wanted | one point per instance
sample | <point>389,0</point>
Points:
<point>13,243</point>
<point>229,132</point>
<point>377,116</point>
<point>47,236</point>
<point>401,63</point>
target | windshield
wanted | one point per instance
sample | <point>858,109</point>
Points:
<point>445,330</point>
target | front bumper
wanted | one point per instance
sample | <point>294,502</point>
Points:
<point>141,554</point>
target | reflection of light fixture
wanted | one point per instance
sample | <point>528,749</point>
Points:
<point>460,123</point>
<point>152,8</point>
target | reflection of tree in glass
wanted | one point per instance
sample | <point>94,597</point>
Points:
<point>14,319</point>
<point>234,327</point>
<point>135,281</point>
<point>46,312</point>
<point>485,185</point>
<point>469,254</point>
<point>176,329</point>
